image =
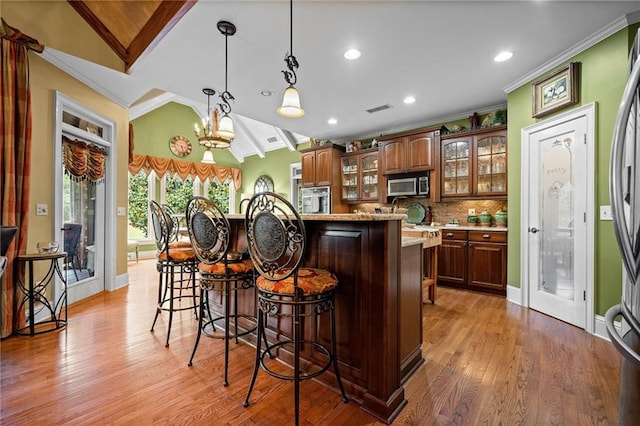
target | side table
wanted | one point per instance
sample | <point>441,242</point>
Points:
<point>35,292</point>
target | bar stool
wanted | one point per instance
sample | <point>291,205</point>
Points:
<point>220,270</point>
<point>171,257</point>
<point>276,240</point>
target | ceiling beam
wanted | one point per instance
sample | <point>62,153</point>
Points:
<point>287,138</point>
<point>251,138</point>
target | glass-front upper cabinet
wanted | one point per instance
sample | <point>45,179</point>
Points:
<point>369,167</point>
<point>474,164</point>
<point>456,162</point>
<point>350,178</point>
<point>360,176</point>
<point>491,152</point>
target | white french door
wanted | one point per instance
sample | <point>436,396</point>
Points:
<point>81,205</point>
<point>556,220</point>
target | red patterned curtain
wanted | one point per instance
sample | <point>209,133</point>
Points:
<point>83,161</point>
<point>15,161</point>
<point>184,168</point>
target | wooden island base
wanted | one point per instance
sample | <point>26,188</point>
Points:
<point>378,306</point>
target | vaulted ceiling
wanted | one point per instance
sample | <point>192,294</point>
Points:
<point>440,52</point>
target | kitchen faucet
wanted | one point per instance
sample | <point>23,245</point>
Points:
<point>394,204</point>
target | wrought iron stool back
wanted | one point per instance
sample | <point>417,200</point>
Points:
<point>220,271</point>
<point>276,238</point>
<point>170,258</point>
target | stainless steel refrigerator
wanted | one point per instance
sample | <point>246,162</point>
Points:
<point>624,191</point>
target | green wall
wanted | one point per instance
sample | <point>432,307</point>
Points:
<point>153,131</point>
<point>275,164</point>
<point>603,74</point>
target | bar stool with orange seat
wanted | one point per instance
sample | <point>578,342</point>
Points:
<point>220,270</point>
<point>276,240</point>
<point>172,259</point>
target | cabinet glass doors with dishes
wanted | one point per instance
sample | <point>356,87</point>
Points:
<point>360,177</point>
<point>456,161</point>
<point>474,165</point>
<point>491,154</point>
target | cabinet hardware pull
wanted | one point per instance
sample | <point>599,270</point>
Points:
<point>449,234</point>
<point>486,236</point>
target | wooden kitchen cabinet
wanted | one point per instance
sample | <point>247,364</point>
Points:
<point>409,153</point>
<point>359,176</point>
<point>320,165</point>
<point>474,164</point>
<point>474,260</point>
<point>452,259</point>
<point>488,260</point>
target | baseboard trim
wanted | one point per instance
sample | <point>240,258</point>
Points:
<point>514,295</point>
<point>121,281</point>
<point>600,328</point>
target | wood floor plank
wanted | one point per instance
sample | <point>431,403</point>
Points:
<point>487,361</point>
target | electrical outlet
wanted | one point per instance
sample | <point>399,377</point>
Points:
<point>605,213</point>
<point>42,209</point>
<point>472,211</point>
<point>122,211</point>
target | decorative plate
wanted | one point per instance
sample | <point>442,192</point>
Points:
<point>415,213</point>
<point>180,146</point>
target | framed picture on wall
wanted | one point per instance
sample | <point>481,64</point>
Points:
<point>555,91</point>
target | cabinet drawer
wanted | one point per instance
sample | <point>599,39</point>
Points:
<point>450,234</point>
<point>488,236</point>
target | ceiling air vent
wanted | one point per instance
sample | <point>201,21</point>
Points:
<point>378,108</point>
<point>272,139</point>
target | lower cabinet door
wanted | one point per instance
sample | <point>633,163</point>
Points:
<point>487,266</point>
<point>452,262</point>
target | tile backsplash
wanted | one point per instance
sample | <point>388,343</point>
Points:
<point>444,212</point>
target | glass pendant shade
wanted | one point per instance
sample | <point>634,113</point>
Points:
<point>225,128</point>
<point>207,158</point>
<point>291,104</point>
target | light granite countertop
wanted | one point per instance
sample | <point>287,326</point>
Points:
<point>412,241</point>
<point>353,217</point>
<point>474,228</point>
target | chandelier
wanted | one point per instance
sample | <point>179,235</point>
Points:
<point>214,133</point>
<point>291,101</point>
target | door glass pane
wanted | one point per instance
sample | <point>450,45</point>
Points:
<point>79,224</point>
<point>557,213</point>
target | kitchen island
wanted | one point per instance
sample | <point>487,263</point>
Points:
<point>378,305</point>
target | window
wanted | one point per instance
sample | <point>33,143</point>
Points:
<point>138,206</point>
<point>174,192</point>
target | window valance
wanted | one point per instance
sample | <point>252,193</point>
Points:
<point>83,161</point>
<point>184,169</point>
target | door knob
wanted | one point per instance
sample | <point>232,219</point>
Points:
<point>533,230</point>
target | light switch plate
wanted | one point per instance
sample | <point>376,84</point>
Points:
<point>605,213</point>
<point>42,209</point>
<point>122,211</point>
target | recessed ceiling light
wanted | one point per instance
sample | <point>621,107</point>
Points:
<point>266,92</point>
<point>332,121</point>
<point>352,54</point>
<point>503,56</point>
<point>409,100</point>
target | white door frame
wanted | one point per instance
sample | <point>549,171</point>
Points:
<point>108,141</point>
<point>589,112</point>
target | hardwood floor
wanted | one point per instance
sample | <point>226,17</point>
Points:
<point>487,362</point>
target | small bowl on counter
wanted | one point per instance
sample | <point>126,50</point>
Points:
<point>47,247</point>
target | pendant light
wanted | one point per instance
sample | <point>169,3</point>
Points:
<point>225,128</point>
<point>291,101</point>
<point>214,133</point>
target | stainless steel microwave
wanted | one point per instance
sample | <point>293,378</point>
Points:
<point>408,186</point>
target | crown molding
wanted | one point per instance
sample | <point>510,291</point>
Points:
<point>585,44</point>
